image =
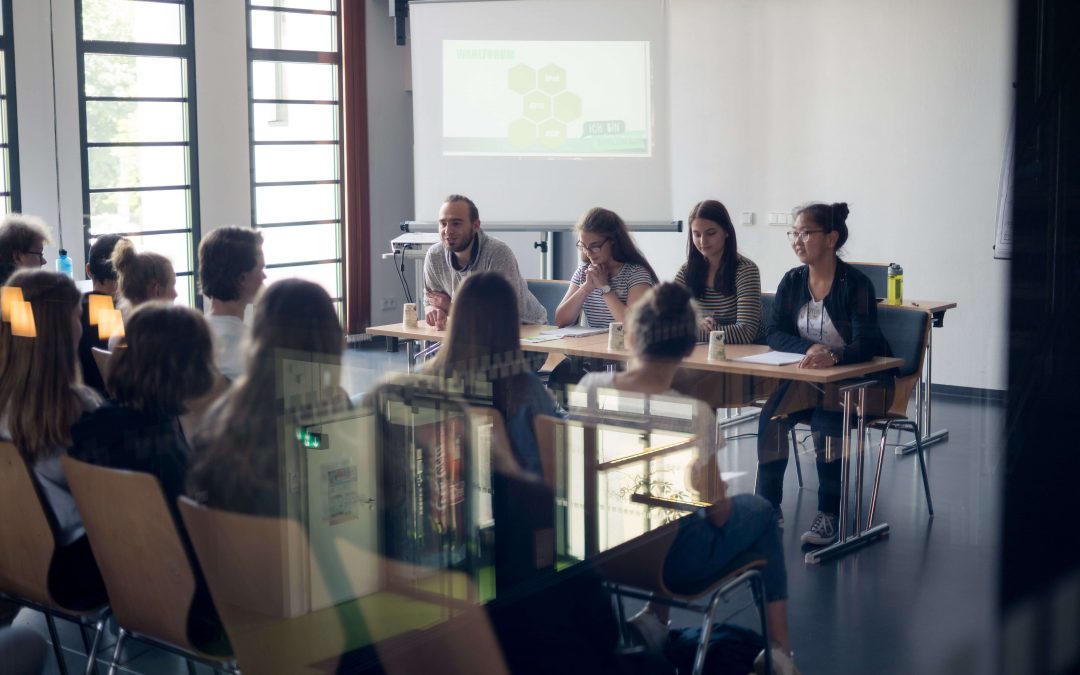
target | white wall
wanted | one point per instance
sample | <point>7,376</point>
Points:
<point>900,109</point>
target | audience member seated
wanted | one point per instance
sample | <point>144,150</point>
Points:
<point>167,361</point>
<point>22,244</point>
<point>41,397</point>
<point>827,310</point>
<point>231,273</point>
<point>465,249</point>
<point>661,330</point>
<point>141,277</point>
<point>239,455</point>
<point>100,272</point>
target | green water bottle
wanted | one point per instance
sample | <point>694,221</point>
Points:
<point>895,285</point>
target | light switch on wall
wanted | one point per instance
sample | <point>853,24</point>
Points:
<point>747,218</point>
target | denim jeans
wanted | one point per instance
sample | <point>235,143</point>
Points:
<point>702,552</point>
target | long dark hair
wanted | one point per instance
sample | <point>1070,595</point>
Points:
<point>608,224</point>
<point>697,267</point>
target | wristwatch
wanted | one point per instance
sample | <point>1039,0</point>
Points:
<point>834,355</point>
<point>605,289</point>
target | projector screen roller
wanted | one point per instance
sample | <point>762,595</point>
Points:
<point>541,109</point>
<point>532,98</point>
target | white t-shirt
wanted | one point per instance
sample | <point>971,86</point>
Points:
<point>229,334</point>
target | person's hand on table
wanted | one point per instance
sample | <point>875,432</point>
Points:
<point>437,299</point>
<point>818,356</point>
<point>707,324</point>
<point>436,317</point>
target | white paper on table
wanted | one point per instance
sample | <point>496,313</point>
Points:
<point>773,358</point>
<point>574,331</point>
<point>539,338</point>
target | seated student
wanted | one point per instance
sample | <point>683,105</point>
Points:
<point>661,331</point>
<point>22,244</point>
<point>231,273</point>
<point>99,270</point>
<point>465,249</point>
<point>825,309</point>
<point>725,283</point>
<point>41,397</point>
<point>140,277</point>
<point>613,273</point>
<point>238,459</point>
<point>165,363</point>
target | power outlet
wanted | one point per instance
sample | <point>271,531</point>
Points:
<point>389,304</point>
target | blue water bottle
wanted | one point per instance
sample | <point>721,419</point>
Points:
<point>63,264</point>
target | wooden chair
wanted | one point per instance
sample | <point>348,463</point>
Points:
<point>635,569</point>
<point>147,572</point>
<point>908,331</point>
<point>27,555</point>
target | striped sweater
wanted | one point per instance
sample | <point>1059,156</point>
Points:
<point>738,315</point>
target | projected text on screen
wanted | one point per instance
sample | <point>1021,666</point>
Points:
<point>546,99</point>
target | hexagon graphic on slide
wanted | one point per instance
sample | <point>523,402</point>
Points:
<point>552,79</point>
<point>522,134</point>
<point>537,106</point>
<point>567,107</point>
<point>521,79</point>
<point>552,134</point>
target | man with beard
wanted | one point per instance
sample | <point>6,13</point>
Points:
<point>463,248</point>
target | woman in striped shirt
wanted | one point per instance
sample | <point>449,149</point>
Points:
<point>727,285</point>
<point>613,273</point>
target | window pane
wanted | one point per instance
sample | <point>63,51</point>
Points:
<point>133,21</point>
<point>293,122</point>
<point>134,122</point>
<point>172,246</point>
<point>3,70</point>
<point>137,167</point>
<point>134,76</point>
<point>277,163</point>
<point>325,5</point>
<point>138,211</point>
<point>288,30</point>
<point>328,276</point>
<point>301,243</point>
<point>5,185</point>
<point>183,290</point>
<point>303,81</point>
<point>296,203</point>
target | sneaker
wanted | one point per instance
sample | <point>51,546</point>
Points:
<point>778,514</point>
<point>783,663</point>
<point>822,531</point>
<point>650,631</point>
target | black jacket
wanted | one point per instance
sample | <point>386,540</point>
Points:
<point>852,307</point>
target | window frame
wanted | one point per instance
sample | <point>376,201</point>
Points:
<point>185,51</point>
<point>11,143</point>
<point>276,55</point>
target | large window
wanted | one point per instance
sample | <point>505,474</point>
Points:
<point>137,99</point>
<point>294,71</point>
<point>9,135</point>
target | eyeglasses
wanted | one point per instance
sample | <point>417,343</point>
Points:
<point>40,253</point>
<point>592,248</point>
<point>794,235</point>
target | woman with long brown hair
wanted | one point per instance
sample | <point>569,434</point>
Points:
<point>239,457</point>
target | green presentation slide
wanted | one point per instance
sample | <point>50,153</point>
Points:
<point>546,99</point>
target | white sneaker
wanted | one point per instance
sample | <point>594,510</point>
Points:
<point>822,531</point>
<point>783,663</point>
<point>652,632</point>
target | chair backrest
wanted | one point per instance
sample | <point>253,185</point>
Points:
<point>878,273</point>
<point>907,331</point>
<point>137,547</point>
<point>550,293</point>
<point>26,539</point>
<point>103,361</point>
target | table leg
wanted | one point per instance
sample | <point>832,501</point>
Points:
<point>859,538</point>
<point>924,400</point>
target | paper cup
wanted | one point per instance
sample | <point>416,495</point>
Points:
<point>408,317</point>
<point>717,351</point>
<point>615,336</point>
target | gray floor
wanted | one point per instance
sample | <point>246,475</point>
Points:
<point>920,601</point>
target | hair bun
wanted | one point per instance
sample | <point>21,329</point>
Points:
<point>840,211</point>
<point>123,255</point>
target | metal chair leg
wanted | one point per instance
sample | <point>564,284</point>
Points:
<point>121,635</point>
<point>795,454</point>
<point>58,649</point>
<point>922,470</point>
<point>877,477</point>
<point>758,587</point>
<point>91,654</point>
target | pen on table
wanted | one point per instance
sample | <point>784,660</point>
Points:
<point>914,304</point>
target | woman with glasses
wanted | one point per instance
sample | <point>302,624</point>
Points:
<point>22,244</point>
<point>613,273</point>
<point>826,310</point>
<point>726,285</point>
